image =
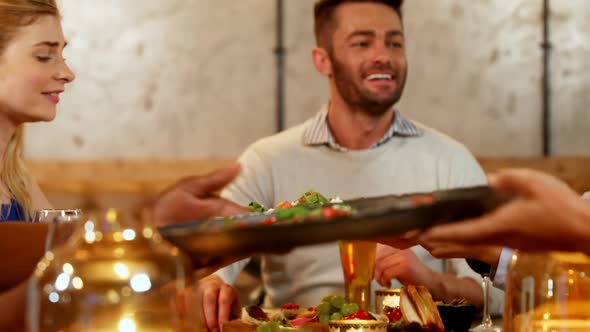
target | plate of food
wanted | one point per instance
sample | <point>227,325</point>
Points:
<point>291,317</point>
<point>314,219</point>
<point>415,312</point>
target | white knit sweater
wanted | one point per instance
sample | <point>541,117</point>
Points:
<point>280,168</point>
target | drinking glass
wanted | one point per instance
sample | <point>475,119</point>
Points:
<point>484,270</point>
<point>358,263</point>
<point>61,224</point>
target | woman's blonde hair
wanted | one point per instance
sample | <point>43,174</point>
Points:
<point>15,14</point>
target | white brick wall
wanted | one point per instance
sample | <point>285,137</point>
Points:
<point>195,78</point>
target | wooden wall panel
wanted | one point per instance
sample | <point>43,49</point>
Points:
<point>127,184</point>
<point>573,170</point>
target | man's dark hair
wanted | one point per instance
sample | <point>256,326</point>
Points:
<point>324,16</point>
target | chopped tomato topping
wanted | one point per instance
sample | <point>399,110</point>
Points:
<point>359,314</point>
<point>269,221</point>
<point>290,306</point>
<point>329,213</point>
<point>423,199</point>
<point>395,315</point>
<point>284,205</point>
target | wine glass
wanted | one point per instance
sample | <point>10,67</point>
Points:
<point>60,222</point>
<point>486,323</point>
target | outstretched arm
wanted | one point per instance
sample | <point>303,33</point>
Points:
<point>544,215</point>
<point>196,197</point>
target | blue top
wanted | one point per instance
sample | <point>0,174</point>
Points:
<point>501,271</point>
<point>12,212</point>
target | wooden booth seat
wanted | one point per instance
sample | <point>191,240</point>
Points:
<point>126,184</point>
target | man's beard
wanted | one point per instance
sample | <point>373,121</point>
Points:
<point>357,97</point>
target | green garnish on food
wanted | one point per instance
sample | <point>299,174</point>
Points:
<point>256,207</point>
<point>275,326</point>
<point>312,198</point>
<point>269,327</point>
<point>283,214</point>
<point>310,206</point>
<point>335,307</point>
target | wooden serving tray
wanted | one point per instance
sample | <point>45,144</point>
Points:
<point>216,239</point>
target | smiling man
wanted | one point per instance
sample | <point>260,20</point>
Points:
<point>359,145</point>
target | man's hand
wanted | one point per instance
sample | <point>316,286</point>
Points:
<point>196,197</point>
<point>403,265</point>
<point>220,302</point>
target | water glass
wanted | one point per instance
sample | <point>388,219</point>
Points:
<point>61,224</point>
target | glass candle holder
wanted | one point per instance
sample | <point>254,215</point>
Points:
<point>115,273</point>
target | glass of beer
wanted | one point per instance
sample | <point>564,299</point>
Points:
<point>358,263</point>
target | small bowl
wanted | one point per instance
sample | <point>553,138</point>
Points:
<point>357,325</point>
<point>457,318</point>
<point>386,297</point>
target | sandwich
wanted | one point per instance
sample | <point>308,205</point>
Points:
<point>417,311</point>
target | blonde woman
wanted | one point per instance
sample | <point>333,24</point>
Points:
<point>33,73</point>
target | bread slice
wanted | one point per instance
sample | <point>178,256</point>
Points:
<point>408,308</point>
<point>422,307</point>
<point>434,315</point>
<point>417,306</point>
